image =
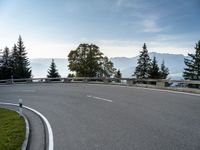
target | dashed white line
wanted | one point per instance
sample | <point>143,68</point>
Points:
<point>152,89</point>
<point>28,90</point>
<point>99,98</point>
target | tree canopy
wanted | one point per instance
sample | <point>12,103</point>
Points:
<point>154,69</point>
<point>164,71</point>
<point>118,74</point>
<point>53,72</point>
<point>149,69</point>
<point>15,63</point>
<point>21,63</point>
<point>88,61</point>
<point>5,69</point>
<point>143,64</point>
<point>192,70</point>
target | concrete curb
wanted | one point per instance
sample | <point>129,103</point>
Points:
<point>27,133</point>
<point>26,140</point>
<point>44,119</point>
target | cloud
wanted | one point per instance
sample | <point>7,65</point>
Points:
<point>150,25</point>
<point>119,2</point>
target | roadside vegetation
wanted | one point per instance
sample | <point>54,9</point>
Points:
<point>149,69</point>
<point>12,130</point>
<point>14,63</point>
<point>88,61</point>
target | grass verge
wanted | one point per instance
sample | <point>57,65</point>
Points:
<point>12,130</point>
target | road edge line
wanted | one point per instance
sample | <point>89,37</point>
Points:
<point>49,129</point>
<point>50,132</point>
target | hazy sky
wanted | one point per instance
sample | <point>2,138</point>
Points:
<point>119,27</point>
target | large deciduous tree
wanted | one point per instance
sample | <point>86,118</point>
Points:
<point>107,69</point>
<point>88,61</point>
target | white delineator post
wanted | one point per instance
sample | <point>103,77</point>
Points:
<point>20,107</point>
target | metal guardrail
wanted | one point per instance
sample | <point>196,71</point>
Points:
<point>189,86</point>
<point>129,81</point>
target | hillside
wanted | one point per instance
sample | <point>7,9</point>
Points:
<point>175,63</point>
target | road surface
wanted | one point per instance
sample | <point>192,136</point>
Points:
<point>103,117</point>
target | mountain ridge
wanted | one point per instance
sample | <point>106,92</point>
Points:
<point>175,63</point>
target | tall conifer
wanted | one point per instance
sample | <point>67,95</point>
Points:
<point>142,69</point>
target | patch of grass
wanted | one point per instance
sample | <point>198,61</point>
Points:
<point>12,130</point>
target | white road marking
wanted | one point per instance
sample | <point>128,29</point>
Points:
<point>31,91</point>
<point>50,132</point>
<point>161,90</point>
<point>99,98</point>
<point>28,90</point>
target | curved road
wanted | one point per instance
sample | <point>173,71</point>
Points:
<point>101,117</point>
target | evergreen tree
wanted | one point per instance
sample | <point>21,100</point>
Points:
<point>22,69</point>
<point>1,64</point>
<point>71,75</point>
<point>118,74</point>
<point>164,71</point>
<point>192,70</point>
<point>5,70</point>
<point>154,69</point>
<point>14,59</point>
<point>53,72</point>
<point>144,63</point>
<point>6,57</point>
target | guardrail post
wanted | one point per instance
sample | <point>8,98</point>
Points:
<point>29,81</point>
<point>106,81</point>
<point>85,80</point>
<point>12,79</point>
<point>129,82</point>
<point>20,107</point>
<point>66,80</point>
<point>47,80</point>
<point>160,84</point>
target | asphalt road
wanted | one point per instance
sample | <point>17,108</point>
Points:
<point>100,117</point>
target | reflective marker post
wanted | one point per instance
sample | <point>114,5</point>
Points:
<point>20,107</point>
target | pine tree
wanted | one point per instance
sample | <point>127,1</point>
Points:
<point>5,69</point>
<point>14,59</point>
<point>192,70</point>
<point>70,75</point>
<point>53,72</point>
<point>22,69</point>
<point>118,74</point>
<point>154,69</point>
<point>142,69</point>
<point>164,71</point>
<point>6,57</point>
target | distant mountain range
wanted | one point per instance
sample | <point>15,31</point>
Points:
<point>174,62</point>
